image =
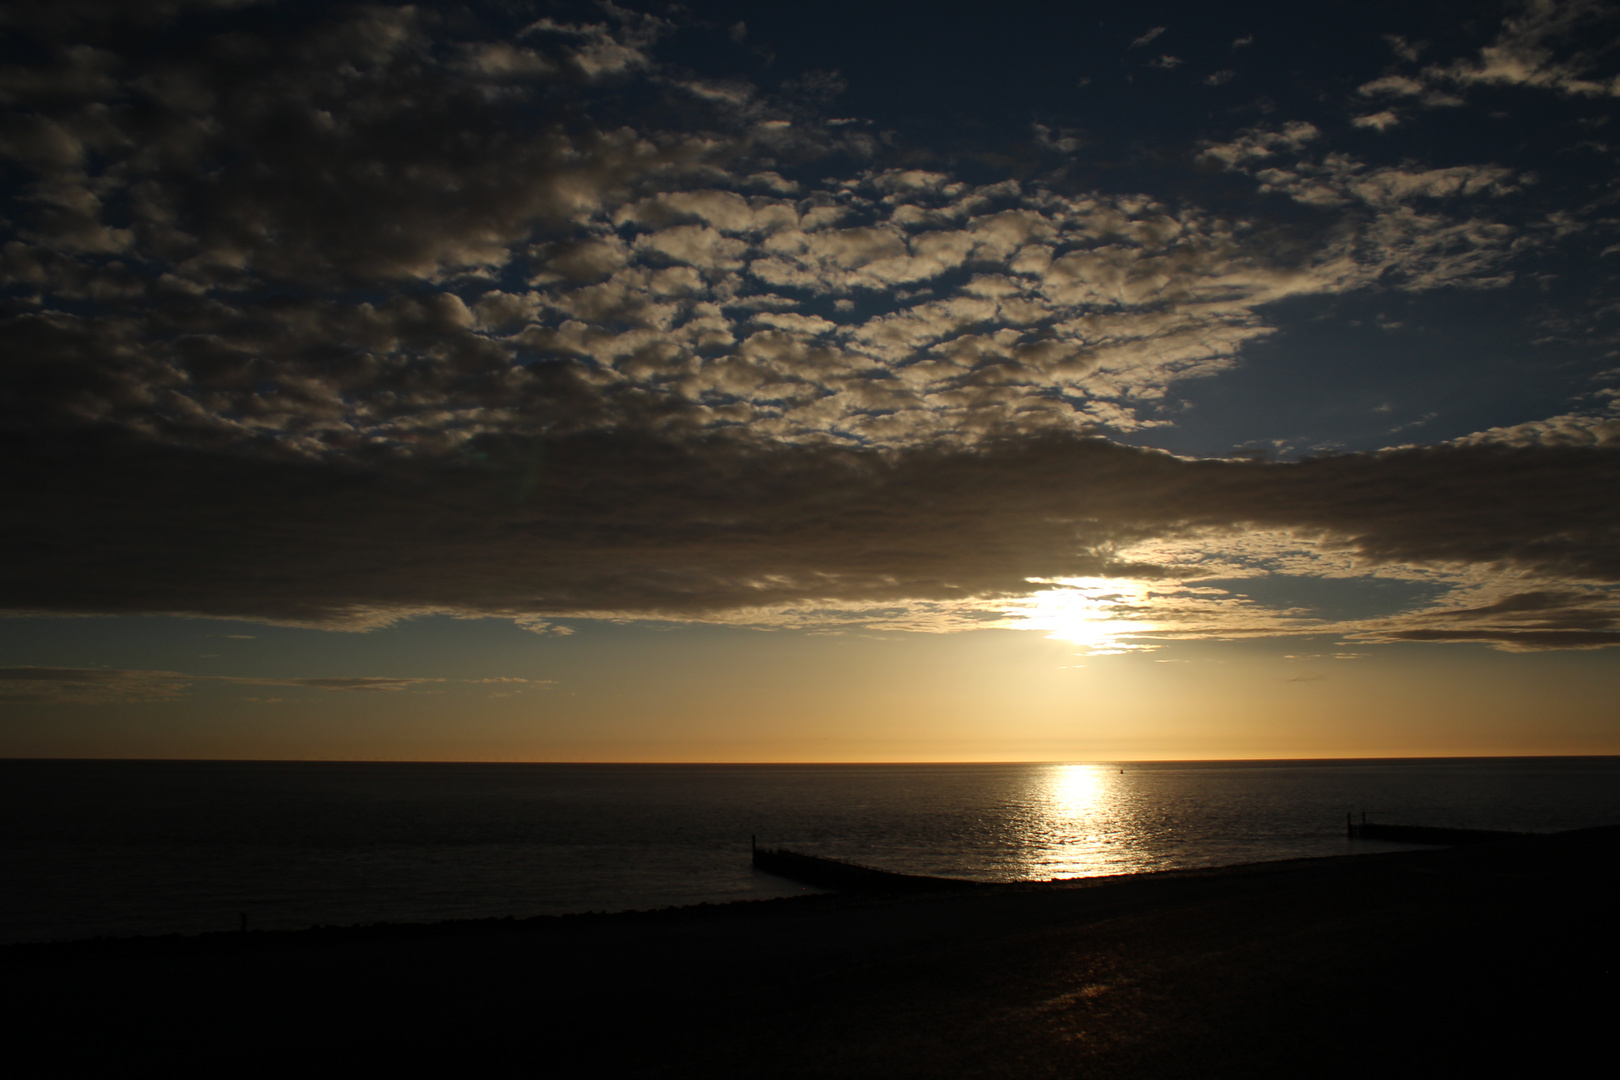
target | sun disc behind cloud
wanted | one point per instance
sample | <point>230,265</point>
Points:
<point>1088,612</point>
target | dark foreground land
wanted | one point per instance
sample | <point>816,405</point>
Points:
<point>1491,961</point>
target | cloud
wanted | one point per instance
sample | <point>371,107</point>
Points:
<point>1399,215</point>
<point>543,627</point>
<point>1406,50</point>
<point>323,326</point>
<point>729,530</point>
<point>108,686</point>
<point>1517,640</point>
<point>1533,50</point>
<point>1062,140</point>
<point>89,686</point>
<point>1147,38</point>
<point>573,276</point>
<point>370,127</point>
<point>1378,121</point>
<point>1525,52</point>
<point>1405,86</point>
<point>1597,429</point>
<point>1337,179</point>
<point>338,685</point>
<point>1536,604</point>
<point>1515,621</point>
<point>1094,297</point>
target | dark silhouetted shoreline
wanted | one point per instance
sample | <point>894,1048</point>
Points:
<point>1472,961</point>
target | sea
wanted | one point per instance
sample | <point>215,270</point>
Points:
<point>125,848</point>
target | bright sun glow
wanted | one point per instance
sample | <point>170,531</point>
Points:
<point>1086,611</point>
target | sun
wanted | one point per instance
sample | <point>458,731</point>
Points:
<point>1086,612</point>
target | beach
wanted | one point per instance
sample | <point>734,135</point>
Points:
<point>1469,961</point>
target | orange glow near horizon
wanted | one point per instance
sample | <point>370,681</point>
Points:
<point>1031,695</point>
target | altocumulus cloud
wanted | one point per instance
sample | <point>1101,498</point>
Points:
<point>333,316</point>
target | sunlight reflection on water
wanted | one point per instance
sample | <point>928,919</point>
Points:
<point>1080,823</point>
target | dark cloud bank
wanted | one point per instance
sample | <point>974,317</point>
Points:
<point>372,311</point>
<point>614,523</point>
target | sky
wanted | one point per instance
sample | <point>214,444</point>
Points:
<point>838,382</point>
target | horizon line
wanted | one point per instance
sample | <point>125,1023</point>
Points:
<point>749,764</point>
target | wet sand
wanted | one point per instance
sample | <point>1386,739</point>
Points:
<point>1488,961</point>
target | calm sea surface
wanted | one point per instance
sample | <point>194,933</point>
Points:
<point>91,847</point>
